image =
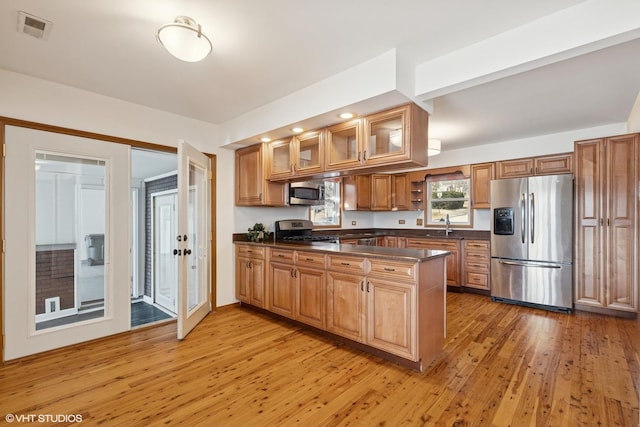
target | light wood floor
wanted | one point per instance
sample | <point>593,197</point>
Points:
<point>502,365</point>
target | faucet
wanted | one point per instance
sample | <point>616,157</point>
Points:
<point>447,229</point>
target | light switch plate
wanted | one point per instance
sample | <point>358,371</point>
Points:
<point>401,221</point>
<point>419,221</point>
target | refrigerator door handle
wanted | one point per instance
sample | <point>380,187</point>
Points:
<point>529,264</point>
<point>523,198</point>
<point>532,215</point>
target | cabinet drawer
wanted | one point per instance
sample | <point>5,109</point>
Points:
<point>250,251</point>
<point>344,263</point>
<point>397,269</point>
<point>476,245</point>
<point>477,280</point>
<point>432,244</point>
<point>311,259</point>
<point>476,257</point>
<point>281,255</point>
<point>479,267</point>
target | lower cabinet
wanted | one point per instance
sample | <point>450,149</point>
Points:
<point>250,275</point>
<point>297,285</point>
<point>377,309</point>
<point>453,260</point>
<point>477,259</point>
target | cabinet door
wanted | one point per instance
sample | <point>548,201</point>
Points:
<point>282,289</point>
<point>309,153</point>
<point>621,230</point>
<point>249,179</point>
<point>280,158</point>
<point>310,304</point>
<point>256,283</point>
<point>514,168</point>
<point>588,212</point>
<point>356,192</point>
<point>391,317</point>
<point>345,305</point>
<point>400,194</point>
<point>453,259</point>
<point>553,165</point>
<point>385,136</point>
<point>243,279</point>
<point>481,176</point>
<point>343,147</point>
<point>380,192</point>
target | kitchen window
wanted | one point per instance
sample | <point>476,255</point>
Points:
<point>327,214</point>
<point>448,195</point>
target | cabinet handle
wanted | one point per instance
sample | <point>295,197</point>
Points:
<point>345,263</point>
<point>250,264</point>
<point>367,286</point>
<point>291,273</point>
<point>295,274</point>
<point>608,222</point>
<point>359,152</point>
<point>362,285</point>
<point>281,256</point>
<point>389,269</point>
<point>246,264</point>
<point>308,259</point>
<point>364,156</point>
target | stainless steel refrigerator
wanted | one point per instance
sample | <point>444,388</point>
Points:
<point>532,241</point>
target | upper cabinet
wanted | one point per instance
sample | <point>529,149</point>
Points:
<point>545,165</point>
<point>393,138</point>
<point>297,156</point>
<point>481,176</point>
<point>252,187</point>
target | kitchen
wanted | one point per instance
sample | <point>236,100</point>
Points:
<point>44,101</point>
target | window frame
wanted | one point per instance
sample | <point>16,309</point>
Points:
<point>338,182</point>
<point>428,200</point>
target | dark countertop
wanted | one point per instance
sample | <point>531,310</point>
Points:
<point>398,254</point>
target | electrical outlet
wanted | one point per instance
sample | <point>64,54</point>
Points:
<point>419,221</point>
<point>401,221</point>
<point>353,223</point>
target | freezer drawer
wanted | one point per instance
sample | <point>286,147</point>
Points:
<point>547,284</point>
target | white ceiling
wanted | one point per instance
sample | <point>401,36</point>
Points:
<point>266,50</point>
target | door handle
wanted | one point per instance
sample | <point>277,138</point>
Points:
<point>187,251</point>
<point>177,252</point>
<point>523,216</point>
<point>532,215</point>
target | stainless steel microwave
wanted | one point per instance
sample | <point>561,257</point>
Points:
<point>306,193</point>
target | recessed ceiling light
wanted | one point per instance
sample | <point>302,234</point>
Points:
<point>265,139</point>
<point>297,130</point>
<point>346,115</point>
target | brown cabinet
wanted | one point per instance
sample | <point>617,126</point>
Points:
<point>606,226</point>
<point>373,302</point>
<point>297,156</point>
<point>296,284</point>
<point>380,192</point>
<point>477,257</point>
<point>453,260</point>
<point>356,193</point>
<point>400,192</point>
<point>250,275</point>
<point>543,165</point>
<point>481,176</point>
<point>396,138</point>
<point>252,187</point>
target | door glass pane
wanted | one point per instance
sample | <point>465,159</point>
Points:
<point>69,239</point>
<point>197,248</point>
<point>386,136</point>
<point>344,144</point>
<point>309,151</point>
<point>166,267</point>
<point>281,159</point>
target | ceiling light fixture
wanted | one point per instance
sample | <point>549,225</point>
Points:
<point>297,130</point>
<point>434,147</point>
<point>184,39</point>
<point>265,139</point>
<point>346,115</point>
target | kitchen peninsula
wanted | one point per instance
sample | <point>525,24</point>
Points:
<point>388,301</point>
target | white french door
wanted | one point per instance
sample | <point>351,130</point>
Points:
<point>165,266</point>
<point>67,260</point>
<point>193,243</point>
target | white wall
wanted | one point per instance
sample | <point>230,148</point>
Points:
<point>45,102</point>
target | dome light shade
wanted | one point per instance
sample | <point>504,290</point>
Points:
<point>184,39</point>
<point>434,147</point>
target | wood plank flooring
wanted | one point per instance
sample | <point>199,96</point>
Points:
<point>502,365</point>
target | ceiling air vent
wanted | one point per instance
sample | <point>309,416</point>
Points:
<point>34,26</point>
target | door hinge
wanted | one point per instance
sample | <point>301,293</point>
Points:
<point>4,150</point>
<point>4,245</point>
<point>210,174</point>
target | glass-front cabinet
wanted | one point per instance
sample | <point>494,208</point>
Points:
<point>297,156</point>
<point>343,146</point>
<point>393,137</point>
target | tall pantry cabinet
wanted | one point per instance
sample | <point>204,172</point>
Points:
<point>607,207</point>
